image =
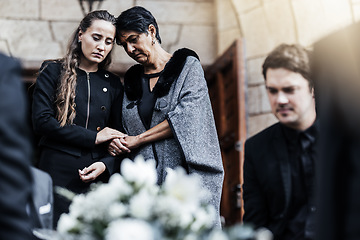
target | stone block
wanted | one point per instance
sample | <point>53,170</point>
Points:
<point>25,9</point>
<point>315,19</point>
<point>170,35</point>
<point>245,5</point>
<point>68,10</point>
<point>30,39</point>
<point>257,99</point>
<point>183,12</point>
<point>226,15</point>
<point>226,38</point>
<point>115,7</point>
<point>254,71</point>
<point>257,123</point>
<point>280,21</point>
<point>63,31</point>
<point>4,48</point>
<point>256,33</point>
<point>356,11</point>
<point>201,39</point>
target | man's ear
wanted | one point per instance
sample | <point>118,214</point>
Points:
<point>312,92</point>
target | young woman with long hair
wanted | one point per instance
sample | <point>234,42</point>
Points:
<point>77,109</point>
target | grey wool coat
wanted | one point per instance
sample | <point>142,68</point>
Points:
<point>182,99</point>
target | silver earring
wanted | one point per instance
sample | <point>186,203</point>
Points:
<point>153,41</point>
<point>79,41</point>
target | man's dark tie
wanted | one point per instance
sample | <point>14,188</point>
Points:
<point>306,142</point>
<point>307,161</point>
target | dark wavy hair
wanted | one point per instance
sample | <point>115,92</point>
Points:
<point>136,19</point>
<point>291,57</point>
<point>65,99</point>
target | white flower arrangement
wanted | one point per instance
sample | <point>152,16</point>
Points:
<point>133,207</point>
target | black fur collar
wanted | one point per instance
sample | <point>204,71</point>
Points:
<point>172,70</point>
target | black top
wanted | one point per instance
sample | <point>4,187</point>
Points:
<point>148,99</point>
<point>301,154</point>
<point>100,108</point>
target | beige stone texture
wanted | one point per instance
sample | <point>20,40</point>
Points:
<point>182,12</point>
<point>315,19</point>
<point>62,31</point>
<point>4,47</point>
<point>68,10</point>
<point>256,33</point>
<point>257,99</point>
<point>245,5</point>
<point>170,35</point>
<point>356,11</point>
<point>254,71</point>
<point>201,39</point>
<point>24,9</point>
<point>280,21</point>
<point>226,16</point>
<point>30,39</point>
<point>115,7</point>
<point>259,122</point>
<point>226,38</point>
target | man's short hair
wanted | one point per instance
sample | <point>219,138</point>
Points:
<point>291,57</point>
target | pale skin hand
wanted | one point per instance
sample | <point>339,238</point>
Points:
<point>116,147</point>
<point>107,134</point>
<point>159,132</point>
<point>90,173</point>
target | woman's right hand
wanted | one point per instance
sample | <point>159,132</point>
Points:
<point>108,134</point>
<point>116,147</point>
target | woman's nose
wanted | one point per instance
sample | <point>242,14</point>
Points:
<point>101,46</point>
<point>130,48</point>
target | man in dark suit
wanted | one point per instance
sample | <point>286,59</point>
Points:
<point>336,73</point>
<point>279,161</point>
<point>15,154</point>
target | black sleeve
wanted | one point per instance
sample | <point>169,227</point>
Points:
<point>44,113</point>
<point>255,205</point>
<point>15,154</point>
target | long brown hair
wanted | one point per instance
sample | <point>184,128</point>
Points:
<point>65,98</point>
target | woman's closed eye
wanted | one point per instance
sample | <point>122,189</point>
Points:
<point>97,36</point>
<point>109,42</point>
<point>133,39</point>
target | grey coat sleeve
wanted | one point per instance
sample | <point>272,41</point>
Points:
<point>43,197</point>
<point>193,126</point>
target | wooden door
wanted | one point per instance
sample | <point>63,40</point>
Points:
<point>227,89</point>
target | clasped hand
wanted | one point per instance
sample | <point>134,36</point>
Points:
<point>123,145</point>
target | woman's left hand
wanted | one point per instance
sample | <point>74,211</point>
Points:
<point>90,173</point>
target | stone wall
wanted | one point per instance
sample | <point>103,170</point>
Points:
<point>34,30</point>
<point>264,24</point>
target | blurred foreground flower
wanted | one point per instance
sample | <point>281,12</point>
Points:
<point>133,207</point>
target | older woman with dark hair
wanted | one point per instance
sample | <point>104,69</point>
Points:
<point>166,108</point>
